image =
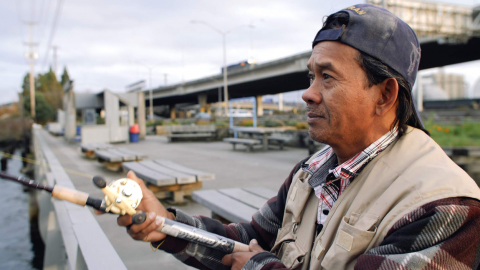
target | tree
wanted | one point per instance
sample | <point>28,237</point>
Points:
<point>43,111</point>
<point>65,78</point>
<point>48,85</point>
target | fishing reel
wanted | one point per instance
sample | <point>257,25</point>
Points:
<point>122,197</point>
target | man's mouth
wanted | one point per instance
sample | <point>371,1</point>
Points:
<point>314,116</point>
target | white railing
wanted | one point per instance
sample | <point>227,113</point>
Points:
<point>73,238</point>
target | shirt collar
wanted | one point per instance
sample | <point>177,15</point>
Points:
<point>325,161</point>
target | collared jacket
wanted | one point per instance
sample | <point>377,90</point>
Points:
<point>411,207</point>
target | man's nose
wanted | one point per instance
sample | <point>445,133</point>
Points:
<point>311,95</point>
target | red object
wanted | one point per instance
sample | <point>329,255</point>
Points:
<point>134,129</point>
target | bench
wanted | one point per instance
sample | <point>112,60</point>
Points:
<point>89,148</point>
<point>280,141</point>
<point>190,132</point>
<point>113,158</point>
<point>249,143</point>
<point>166,178</point>
<point>233,204</point>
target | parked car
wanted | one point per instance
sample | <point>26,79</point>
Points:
<point>240,113</point>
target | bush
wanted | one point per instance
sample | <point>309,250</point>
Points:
<point>203,123</point>
<point>221,124</point>
<point>467,134</point>
<point>291,123</point>
<point>302,125</point>
<point>246,123</point>
<point>274,123</point>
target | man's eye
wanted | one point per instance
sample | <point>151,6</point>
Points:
<point>326,76</point>
<point>311,77</point>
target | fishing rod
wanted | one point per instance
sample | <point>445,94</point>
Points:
<point>122,197</point>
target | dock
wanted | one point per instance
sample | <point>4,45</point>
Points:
<point>233,169</point>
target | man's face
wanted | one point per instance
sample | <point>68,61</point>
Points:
<point>341,106</point>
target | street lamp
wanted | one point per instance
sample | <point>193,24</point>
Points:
<point>224,35</point>
<point>150,68</point>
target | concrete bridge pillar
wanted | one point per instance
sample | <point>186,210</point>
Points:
<point>172,113</point>
<point>259,105</point>
<point>141,116</point>
<point>202,100</point>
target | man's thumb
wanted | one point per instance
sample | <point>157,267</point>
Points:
<point>254,247</point>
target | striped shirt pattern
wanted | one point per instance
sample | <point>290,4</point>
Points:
<point>330,180</point>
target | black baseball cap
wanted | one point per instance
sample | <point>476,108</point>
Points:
<point>381,34</point>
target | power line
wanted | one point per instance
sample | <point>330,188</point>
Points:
<point>58,10</point>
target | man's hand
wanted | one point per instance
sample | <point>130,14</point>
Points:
<point>239,259</point>
<point>152,207</point>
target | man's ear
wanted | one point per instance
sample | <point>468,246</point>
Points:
<point>388,96</point>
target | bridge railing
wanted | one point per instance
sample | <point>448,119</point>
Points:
<point>73,238</point>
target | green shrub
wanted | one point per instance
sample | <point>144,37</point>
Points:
<point>302,125</point>
<point>246,123</point>
<point>291,123</point>
<point>221,124</point>
<point>274,123</point>
<point>467,134</point>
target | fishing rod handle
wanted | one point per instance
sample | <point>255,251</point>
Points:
<point>71,195</point>
<point>195,235</point>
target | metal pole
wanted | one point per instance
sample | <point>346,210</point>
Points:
<point>55,59</point>
<point>225,84</point>
<point>151,94</point>
<point>32,72</point>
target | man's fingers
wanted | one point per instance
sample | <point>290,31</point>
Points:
<point>134,229</point>
<point>254,246</point>
<point>124,220</point>
<point>146,233</point>
<point>227,259</point>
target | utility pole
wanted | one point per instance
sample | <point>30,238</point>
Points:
<point>32,56</point>
<point>55,59</point>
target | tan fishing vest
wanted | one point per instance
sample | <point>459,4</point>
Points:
<point>410,173</point>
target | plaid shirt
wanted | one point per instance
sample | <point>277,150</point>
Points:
<point>329,180</point>
<point>439,235</point>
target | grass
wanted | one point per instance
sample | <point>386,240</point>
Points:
<point>466,134</point>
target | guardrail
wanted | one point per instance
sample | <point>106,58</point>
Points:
<point>73,238</point>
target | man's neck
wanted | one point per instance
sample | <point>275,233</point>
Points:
<point>345,152</point>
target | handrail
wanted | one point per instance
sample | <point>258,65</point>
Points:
<point>73,238</point>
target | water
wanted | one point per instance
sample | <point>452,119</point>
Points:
<point>16,248</point>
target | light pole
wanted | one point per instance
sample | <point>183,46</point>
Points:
<point>224,37</point>
<point>150,68</point>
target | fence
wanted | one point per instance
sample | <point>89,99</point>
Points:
<point>73,238</point>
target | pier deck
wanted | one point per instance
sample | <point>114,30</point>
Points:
<point>232,169</point>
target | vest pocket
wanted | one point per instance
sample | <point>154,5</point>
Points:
<point>348,244</point>
<point>291,254</point>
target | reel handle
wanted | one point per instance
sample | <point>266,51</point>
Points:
<point>139,218</point>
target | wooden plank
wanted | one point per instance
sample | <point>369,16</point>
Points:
<point>244,197</point>
<point>125,156</point>
<point>108,156</point>
<point>131,153</point>
<point>223,205</point>
<point>188,135</point>
<point>182,178</point>
<point>262,192</point>
<point>242,141</point>
<point>149,175</point>
<point>201,176</point>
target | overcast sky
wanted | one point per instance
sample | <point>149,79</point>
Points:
<point>102,43</point>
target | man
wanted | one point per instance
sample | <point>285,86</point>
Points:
<point>382,194</point>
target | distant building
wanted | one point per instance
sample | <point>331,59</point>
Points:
<point>442,86</point>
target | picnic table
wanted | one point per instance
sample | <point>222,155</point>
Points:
<point>263,131</point>
<point>113,158</point>
<point>233,204</point>
<point>89,148</point>
<point>165,177</point>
